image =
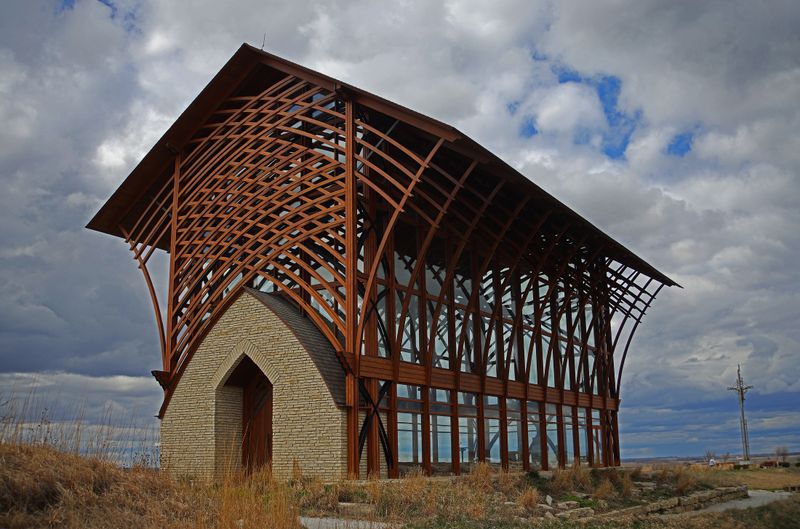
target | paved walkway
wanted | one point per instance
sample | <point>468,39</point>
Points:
<point>756,498</point>
<point>340,523</point>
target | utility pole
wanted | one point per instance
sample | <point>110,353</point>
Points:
<point>741,389</point>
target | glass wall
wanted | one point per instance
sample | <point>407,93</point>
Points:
<point>583,436</point>
<point>491,414</point>
<point>467,430</point>
<point>551,424</point>
<point>514,429</point>
<point>409,427</point>
<point>441,438</point>
<point>484,318</point>
<point>534,436</point>
<point>569,436</point>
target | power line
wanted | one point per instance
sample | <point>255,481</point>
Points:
<point>741,389</point>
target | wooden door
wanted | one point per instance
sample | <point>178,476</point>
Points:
<point>257,422</point>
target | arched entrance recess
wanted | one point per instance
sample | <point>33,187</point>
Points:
<point>256,413</point>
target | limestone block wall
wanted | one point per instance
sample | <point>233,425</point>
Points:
<point>201,430</point>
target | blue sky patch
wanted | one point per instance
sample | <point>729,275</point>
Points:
<point>681,144</point>
<point>528,128</point>
<point>567,75</point>
<point>621,124</point>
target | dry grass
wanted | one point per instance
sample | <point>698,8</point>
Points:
<point>759,478</point>
<point>42,487</point>
<point>529,499</point>
<point>561,482</point>
<point>604,490</point>
<point>685,481</point>
<point>581,478</point>
<point>481,477</point>
<point>627,485</point>
<point>508,483</point>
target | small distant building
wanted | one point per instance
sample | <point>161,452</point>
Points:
<point>357,288</point>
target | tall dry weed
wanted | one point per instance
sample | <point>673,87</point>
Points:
<point>529,499</point>
<point>580,477</point>
<point>561,482</point>
<point>508,483</point>
<point>481,477</point>
<point>604,490</point>
<point>684,481</point>
<point>410,496</point>
<point>627,485</point>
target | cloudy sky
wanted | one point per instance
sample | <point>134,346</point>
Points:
<point>671,125</point>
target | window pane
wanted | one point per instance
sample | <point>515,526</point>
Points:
<point>441,447</point>
<point>534,436</point>
<point>514,431</point>
<point>552,436</point>
<point>492,440</point>
<point>583,436</point>
<point>467,442</point>
<point>409,440</point>
<point>569,440</point>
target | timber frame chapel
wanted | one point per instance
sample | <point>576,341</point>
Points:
<point>360,289</point>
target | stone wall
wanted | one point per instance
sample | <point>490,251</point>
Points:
<point>202,428</point>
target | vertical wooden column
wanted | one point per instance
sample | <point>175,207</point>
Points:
<point>371,330</point>
<point>351,290</point>
<point>427,356</point>
<point>176,176</point>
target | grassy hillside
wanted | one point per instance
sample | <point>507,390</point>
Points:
<point>44,487</point>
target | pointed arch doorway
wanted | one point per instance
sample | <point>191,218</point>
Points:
<point>256,414</point>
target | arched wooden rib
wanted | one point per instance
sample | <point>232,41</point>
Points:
<point>566,309</point>
<point>481,272</point>
<point>533,234</point>
<point>454,259</point>
<point>533,283</point>
<point>153,296</point>
<point>594,284</point>
<point>603,318</point>
<point>555,312</point>
<point>631,334</point>
<point>263,245</point>
<point>241,199</point>
<point>421,257</point>
<point>388,230</point>
<point>275,220</point>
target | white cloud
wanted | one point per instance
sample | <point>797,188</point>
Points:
<point>83,95</point>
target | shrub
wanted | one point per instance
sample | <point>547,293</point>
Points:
<point>409,497</point>
<point>561,482</point>
<point>480,478</point>
<point>604,490</point>
<point>508,483</point>
<point>614,476</point>
<point>581,478</point>
<point>529,499</point>
<point>627,485</point>
<point>684,481</point>
<point>314,495</point>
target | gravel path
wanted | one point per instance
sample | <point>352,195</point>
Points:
<point>340,523</point>
<point>756,498</point>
